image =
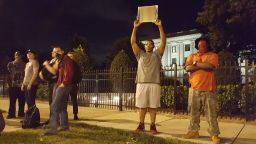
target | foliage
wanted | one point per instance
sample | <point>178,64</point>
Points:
<point>82,59</point>
<point>81,53</point>
<point>125,45</point>
<point>237,99</point>
<point>172,101</point>
<point>230,23</point>
<point>120,64</point>
<point>81,133</point>
<point>228,71</point>
<point>233,99</point>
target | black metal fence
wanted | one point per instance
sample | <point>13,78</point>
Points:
<point>236,89</point>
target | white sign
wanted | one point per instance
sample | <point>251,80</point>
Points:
<point>147,13</point>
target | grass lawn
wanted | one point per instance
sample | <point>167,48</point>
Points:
<point>81,133</point>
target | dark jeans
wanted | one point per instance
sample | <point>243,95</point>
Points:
<point>50,91</point>
<point>50,94</point>
<point>30,95</point>
<point>14,94</point>
<point>73,95</point>
<point>59,108</point>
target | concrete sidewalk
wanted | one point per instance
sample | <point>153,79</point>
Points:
<point>169,126</point>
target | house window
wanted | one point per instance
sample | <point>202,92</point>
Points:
<point>174,61</point>
<point>173,49</point>
<point>187,47</point>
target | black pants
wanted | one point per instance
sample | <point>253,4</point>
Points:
<point>30,95</point>
<point>14,94</point>
<point>73,95</point>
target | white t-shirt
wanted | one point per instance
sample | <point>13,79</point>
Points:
<point>31,66</point>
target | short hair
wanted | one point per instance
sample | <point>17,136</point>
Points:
<point>203,38</point>
<point>151,42</point>
<point>57,47</point>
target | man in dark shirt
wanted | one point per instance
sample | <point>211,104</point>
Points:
<point>16,70</point>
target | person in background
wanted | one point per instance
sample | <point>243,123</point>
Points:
<point>49,73</point>
<point>148,89</point>
<point>201,66</point>
<point>16,70</point>
<point>76,81</point>
<point>30,83</point>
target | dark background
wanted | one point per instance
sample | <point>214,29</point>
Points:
<point>33,24</point>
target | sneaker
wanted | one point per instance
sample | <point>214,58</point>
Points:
<point>216,139</point>
<point>153,129</point>
<point>140,128</point>
<point>75,117</point>
<point>191,135</point>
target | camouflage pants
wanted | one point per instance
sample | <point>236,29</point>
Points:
<point>198,102</point>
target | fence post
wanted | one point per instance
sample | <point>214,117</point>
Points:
<point>246,88</point>
<point>121,91</point>
<point>175,88</point>
<point>97,89</point>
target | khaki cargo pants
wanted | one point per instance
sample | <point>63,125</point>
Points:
<point>201,101</point>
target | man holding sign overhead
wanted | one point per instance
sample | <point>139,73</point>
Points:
<point>148,88</point>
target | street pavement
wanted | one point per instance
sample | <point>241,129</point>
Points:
<point>168,125</point>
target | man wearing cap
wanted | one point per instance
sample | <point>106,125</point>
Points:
<point>16,75</point>
<point>202,66</point>
<point>30,83</point>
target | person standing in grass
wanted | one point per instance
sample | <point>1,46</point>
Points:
<point>60,94</point>
<point>16,70</point>
<point>148,89</point>
<point>30,83</point>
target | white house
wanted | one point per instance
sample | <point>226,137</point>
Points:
<point>178,47</point>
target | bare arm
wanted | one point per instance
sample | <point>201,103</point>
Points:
<point>200,65</point>
<point>134,44</point>
<point>161,48</point>
<point>205,66</point>
<point>52,69</point>
<point>191,68</point>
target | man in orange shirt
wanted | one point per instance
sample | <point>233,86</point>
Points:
<point>201,66</point>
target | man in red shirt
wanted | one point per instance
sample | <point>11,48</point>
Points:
<point>60,94</point>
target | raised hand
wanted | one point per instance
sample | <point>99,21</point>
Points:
<point>158,22</point>
<point>136,23</point>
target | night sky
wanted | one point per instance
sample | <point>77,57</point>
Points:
<point>38,24</point>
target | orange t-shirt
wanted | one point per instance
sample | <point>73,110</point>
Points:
<point>203,80</point>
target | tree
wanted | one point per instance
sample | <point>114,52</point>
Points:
<point>124,45</point>
<point>228,71</point>
<point>82,58</point>
<point>120,62</point>
<point>81,53</point>
<point>230,23</point>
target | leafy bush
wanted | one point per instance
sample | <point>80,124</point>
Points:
<point>236,99</point>
<point>169,100</point>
